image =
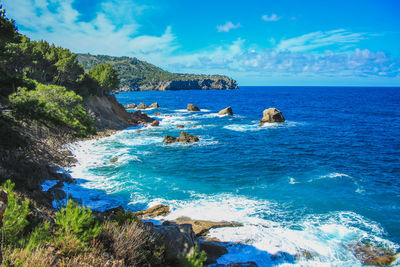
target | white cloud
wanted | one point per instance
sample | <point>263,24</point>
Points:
<point>228,26</point>
<point>273,17</point>
<point>319,39</point>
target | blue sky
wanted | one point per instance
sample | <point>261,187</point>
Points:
<point>255,42</point>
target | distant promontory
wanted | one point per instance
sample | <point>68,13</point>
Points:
<point>138,75</point>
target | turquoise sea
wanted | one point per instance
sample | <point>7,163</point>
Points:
<point>324,180</point>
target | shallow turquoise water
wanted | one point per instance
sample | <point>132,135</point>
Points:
<point>327,178</point>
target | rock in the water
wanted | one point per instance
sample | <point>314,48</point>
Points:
<point>157,114</point>
<point>114,160</point>
<point>155,123</point>
<point>138,117</point>
<point>201,227</point>
<point>371,255</point>
<point>158,210</point>
<point>169,139</point>
<point>130,106</point>
<point>271,115</point>
<point>179,239</point>
<point>214,250</point>
<point>180,126</point>
<point>226,111</point>
<point>142,106</point>
<point>183,138</point>
<point>154,105</point>
<point>191,107</point>
<point>57,193</point>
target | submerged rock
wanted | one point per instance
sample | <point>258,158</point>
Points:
<point>155,123</point>
<point>180,126</point>
<point>130,106</point>
<point>271,115</point>
<point>373,255</point>
<point>191,107</point>
<point>183,138</point>
<point>158,210</point>
<point>154,105</point>
<point>201,227</point>
<point>226,111</point>
<point>142,106</point>
<point>114,160</point>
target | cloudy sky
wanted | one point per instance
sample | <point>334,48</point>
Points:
<point>351,42</point>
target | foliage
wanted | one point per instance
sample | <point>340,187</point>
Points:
<point>40,236</point>
<point>8,30</point>
<point>193,259</point>
<point>52,103</point>
<point>106,76</point>
<point>14,219</point>
<point>78,221</point>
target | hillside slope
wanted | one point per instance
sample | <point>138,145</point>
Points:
<point>137,75</point>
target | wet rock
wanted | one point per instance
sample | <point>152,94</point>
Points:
<point>183,138</point>
<point>158,210</point>
<point>201,227</point>
<point>57,193</point>
<point>373,255</point>
<point>271,115</point>
<point>130,106</point>
<point>154,105</point>
<point>305,254</point>
<point>157,114</point>
<point>169,139</point>
<point>214,250</point>
<point>180,126</point>
<point>226,111</point>
<point>155,123</point>
<point>139,117</point>
<point>142,106</point>
<point>191,107</point>
<point>114,160</point>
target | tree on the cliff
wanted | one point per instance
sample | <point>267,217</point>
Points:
<point>106,76</point>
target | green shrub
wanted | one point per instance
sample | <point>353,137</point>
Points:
<point>14,218</point>
<point>78,221</point>
<point>52,103</point>
<point>193,259</point>
<point>40,236</point>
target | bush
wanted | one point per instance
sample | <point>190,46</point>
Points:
<point>52,103</point>
<point>14,218</point>
<point>193,259</point>
<point>77,221</point>
<point>40,236</point>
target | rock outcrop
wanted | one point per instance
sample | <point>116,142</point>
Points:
<point>371,255</point>
<point>155,123</point>
<point>154,105</point>
<point>130,106</point>
<point>214,250</point>
<point>142,106</point>
<point>191,107</point>
<point>210,83</point>
<point>183,138</point>
<point>226,111</point>
<point>158,210</point>
<point>201,227</point>
<point>271,115</point>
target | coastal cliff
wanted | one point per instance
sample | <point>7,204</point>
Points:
<point>137,75</point>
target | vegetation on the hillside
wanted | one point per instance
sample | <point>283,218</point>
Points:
<point>134,73</point>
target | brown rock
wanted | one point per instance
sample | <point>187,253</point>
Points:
<point>191,107</point>
<point>201,227</point>
<point>371,255</point>
<point>271,115</point>
<point>142,106</point>
<point>169,139</point>
<point>187,138</point>
<point>226,111</point>
<point>214,250</point>
<point>130,106</point>
<point>154,105</point>
<point>158,210</point>
<point>155,123</point>
<point>114,160</point>
<point>157,114</point>
<point>180,126</point>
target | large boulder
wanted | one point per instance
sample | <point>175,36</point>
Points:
<point>138,117</point>
<point>155,123</point>
<point>202,227</point>
<point>179,239</point>
<point>154,105</point>
<point>158,210</point>
<point>130,106</point>
<point>183,138</point>
<point>271,115</point>
<point>191,107</point>
<point>142,106</point>
<point>214,250</point>
<point>226,111</point>
<point>373,255</point>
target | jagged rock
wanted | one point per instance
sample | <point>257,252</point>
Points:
<point>201,227</point>
<point>157,114</point>
<point>180,126</point>
<point>183,138</point>
<point>154,105</point>
<point>130,106</point>
<point>214,250</point>
<point>226,111</point>
<point>271,115</point>
<point>142,106</point>
<point>371,255</point>
<point>57,193</point>
<point>139,117</point>
<point>155,123</point>
<point>114,160</point>
<point>158,210</point>
<point>169,139</point>
<point>179,239</point>
<point>191,107</point>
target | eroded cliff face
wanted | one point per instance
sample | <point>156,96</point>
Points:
<point>195,84</point>
<point>109,114</point>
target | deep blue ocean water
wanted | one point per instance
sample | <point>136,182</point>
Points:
<point>325,179</point>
